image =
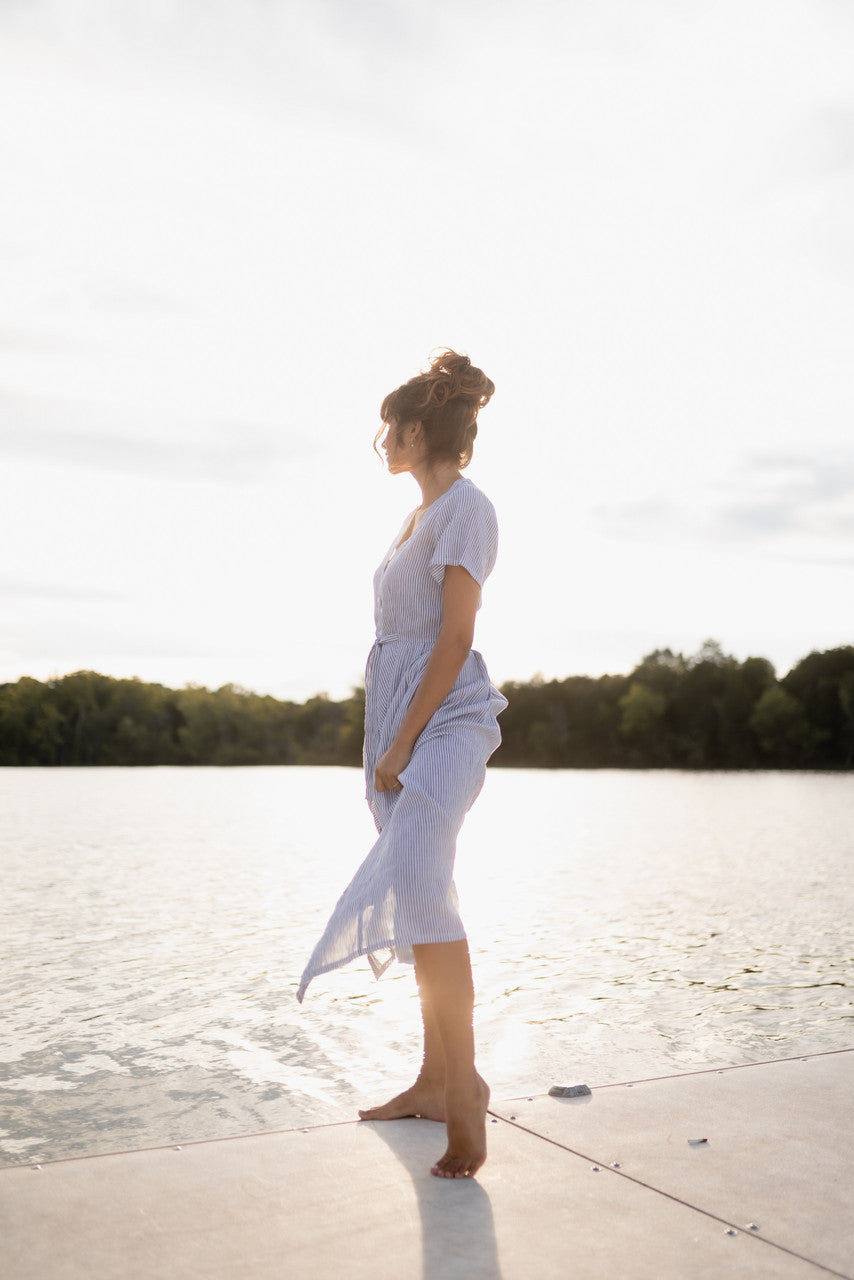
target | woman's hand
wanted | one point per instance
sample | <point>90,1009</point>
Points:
<point>390,766</point>
<point>460,596</point>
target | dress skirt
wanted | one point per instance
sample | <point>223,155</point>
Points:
<point>403,893</point>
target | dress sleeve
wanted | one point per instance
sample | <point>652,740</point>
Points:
<point>468,537</point>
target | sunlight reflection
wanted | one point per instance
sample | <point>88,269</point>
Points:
<point>620,925</point>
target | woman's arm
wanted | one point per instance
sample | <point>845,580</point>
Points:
<point>460,597</point>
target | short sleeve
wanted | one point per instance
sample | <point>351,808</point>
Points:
<point>468,536</point>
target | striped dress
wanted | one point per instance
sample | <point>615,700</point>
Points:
<point>403,893</point>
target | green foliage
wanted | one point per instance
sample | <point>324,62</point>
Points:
<point>822,682</point>
<point>90,719</point>
<point>642,722</point>
<point>780,723</point>
<point>705,711</point>
<point>573,723</point>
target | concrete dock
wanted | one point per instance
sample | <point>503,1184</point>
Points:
<point>609,1185</point>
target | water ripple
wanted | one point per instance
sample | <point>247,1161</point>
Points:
<point>622,925</point>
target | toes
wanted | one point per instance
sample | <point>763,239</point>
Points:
<point>448,1167</point>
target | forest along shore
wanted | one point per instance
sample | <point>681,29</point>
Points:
<point>705,711</point>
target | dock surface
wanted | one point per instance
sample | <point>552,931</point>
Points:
<point>598,1186</point>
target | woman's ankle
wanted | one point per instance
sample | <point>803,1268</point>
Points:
<point>431,1078</point>
<point>464,1079</point>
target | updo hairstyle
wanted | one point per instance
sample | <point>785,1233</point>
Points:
<point>445,399</point>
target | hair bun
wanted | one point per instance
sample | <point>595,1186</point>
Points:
<point>452,376</point>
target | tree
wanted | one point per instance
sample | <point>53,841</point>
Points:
<point>781,726</point>
<point>846,702</point>
<point>819,682</point>
<point>642,722</point>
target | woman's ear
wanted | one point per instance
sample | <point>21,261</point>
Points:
<point>415,433</point>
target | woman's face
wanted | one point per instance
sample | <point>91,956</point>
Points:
<point>397,448</point>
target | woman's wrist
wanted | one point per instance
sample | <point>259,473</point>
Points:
<point>404,741</point>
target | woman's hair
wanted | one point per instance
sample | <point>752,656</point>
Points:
<point>445,399</point>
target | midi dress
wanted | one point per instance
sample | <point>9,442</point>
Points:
<point>403,894</point>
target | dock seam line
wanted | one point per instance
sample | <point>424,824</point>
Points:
<point>175,1145</point>
<point>701,1071</point>
<point>741,1066</point>
<point>606,1168</point>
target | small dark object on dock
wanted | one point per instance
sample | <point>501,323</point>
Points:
<point>569,1091</point>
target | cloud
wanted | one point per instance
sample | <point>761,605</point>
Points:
<point>789,503</point>
<point>814,146</point>
<point>789,493</point>
<point>380,26</point>
<point>304,53</point>
<point>117,295</point>
<point>96,437</point>
<point>14,339</point>
<point>832,139</point>
<point>11,589</point>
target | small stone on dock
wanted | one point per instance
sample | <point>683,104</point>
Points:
<point>569,1091</point>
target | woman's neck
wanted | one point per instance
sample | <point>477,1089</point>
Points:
<point>435,481</point>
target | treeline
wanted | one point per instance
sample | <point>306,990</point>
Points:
<point>91,719</point>
<point>706,711</point>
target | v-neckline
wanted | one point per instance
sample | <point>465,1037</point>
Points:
<point>407,537</point>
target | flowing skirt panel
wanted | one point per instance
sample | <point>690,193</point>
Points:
<point>403,894</point>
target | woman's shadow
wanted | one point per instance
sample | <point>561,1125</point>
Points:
<point>456,1214</point>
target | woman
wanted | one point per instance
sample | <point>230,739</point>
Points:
<point>430,727</point>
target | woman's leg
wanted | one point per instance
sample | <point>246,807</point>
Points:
<point>448,1086</point>
<point>426,1098</point>
<point>445,981</point>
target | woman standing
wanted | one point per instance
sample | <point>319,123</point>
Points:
<point>430,727</point>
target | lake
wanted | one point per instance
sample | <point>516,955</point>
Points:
<point>623,925</point>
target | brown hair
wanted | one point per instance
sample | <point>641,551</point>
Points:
<point>445,399</point>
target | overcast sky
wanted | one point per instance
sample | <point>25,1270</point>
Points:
<point>229,227</point>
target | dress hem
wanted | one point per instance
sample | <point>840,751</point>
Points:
<point>401,952</point>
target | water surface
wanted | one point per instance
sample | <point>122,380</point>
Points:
<point>155,922</point>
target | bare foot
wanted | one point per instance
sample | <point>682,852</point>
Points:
<point>424,1099</point>
<point>465,1110</point>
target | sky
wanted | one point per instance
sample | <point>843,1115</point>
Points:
<point>229,227</point>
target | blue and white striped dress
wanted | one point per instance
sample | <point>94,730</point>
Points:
<point>404,892</point>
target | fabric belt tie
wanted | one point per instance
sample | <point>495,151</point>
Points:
<point>376,648</point>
